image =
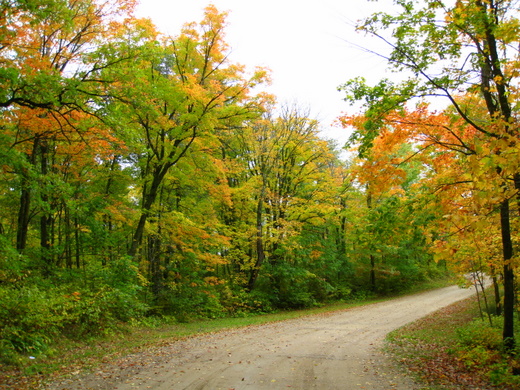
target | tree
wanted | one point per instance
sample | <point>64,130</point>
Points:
<point>283,181</point>
<point>169,106</point>
<point>388,228</point>
<point>45,46</point>
<point>468,47</point>
<point>47,83</point>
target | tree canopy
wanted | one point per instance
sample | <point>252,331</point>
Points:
<point>149,175</point>
<point>468,54</point>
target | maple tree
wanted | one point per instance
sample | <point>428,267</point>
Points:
<point>178,91</point>
<point>53,146</point>
<point>169,105</point>
<point>389,229</point>
<point>467,47</point>
<point>46,82</point>
<point>44,46</point>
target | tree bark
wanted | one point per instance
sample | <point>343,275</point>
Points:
<point>149,197</point>
<point>23,216</point>
<point>77,239</point>
<point>260,253</point>
<point>496,289</point>
<point>46,217</point>
<point>509,291</point>
<point>372,258</point>
<point>372,273</point>
<point>25,201</point>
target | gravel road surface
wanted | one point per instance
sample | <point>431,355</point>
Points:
<point>340,350</point>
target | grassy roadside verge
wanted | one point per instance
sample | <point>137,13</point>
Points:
<point>454,349</point>
<point>68,356</point>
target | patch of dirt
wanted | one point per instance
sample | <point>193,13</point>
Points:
<point>339,350</point>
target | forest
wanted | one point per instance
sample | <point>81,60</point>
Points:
<point>148,175</point>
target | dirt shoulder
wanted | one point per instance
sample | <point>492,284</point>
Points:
<point>340,350</point>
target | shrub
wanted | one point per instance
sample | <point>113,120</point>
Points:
<point>479,333</point>
<point>240,303</point>
<point>341,293</point>
<point>479,345</point>
<point>34,311</point>
<point>28,321</point>
<point>190,302</point>
<point>477,357</point>
<point>291,287</point>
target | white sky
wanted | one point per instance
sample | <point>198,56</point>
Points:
<point>305,43</point>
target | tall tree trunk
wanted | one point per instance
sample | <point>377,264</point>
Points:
<point>25,201</point>
<point>372,257</point>
<point>149,196</point>
<point>342,231</point>
<point>68,238</point>
<point>491,69</point>
<point>260,253</point>
<point>23,216</point>
<point>372,273</point>
<point>496,290</point>
<point>107,219</point>
<point>77,239</point>
<point>46,217</point>
<point>108,250</point>
<point>153,255</point>
<point>509,291</point>
<point>137,238</point>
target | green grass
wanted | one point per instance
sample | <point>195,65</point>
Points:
<point>68,356</point>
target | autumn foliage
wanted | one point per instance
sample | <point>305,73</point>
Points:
<point>148,175</point>
<point>469,150</point>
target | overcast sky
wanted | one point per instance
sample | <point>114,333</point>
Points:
<point>307,44</point>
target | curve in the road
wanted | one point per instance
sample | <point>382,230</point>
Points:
<point>340,350</point>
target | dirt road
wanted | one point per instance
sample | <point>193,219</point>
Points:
<point>334,351</point>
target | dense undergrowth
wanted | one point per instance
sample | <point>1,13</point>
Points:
<point>457,348</point>
<point>98,301</point>
<point>56,334</point>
